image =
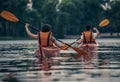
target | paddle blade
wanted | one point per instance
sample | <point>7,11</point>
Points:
<point>79,51</point>
<point>104,22</point>
<point>9,16</point>
<point>65,47</point>
<point>81,54</point>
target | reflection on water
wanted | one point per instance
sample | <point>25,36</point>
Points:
<point>18,64</point>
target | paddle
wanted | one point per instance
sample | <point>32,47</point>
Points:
<point>78,50</point>
<point>103,23</point>
<point>11,17</point>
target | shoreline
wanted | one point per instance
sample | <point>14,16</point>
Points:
<point>102,35</point>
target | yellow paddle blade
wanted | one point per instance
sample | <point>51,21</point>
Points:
<point>9,16</point>
<point>65,47</point>
<point>104,22</point>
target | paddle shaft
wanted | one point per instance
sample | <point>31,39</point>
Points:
<point>64,43</point>
<point>30,25</point>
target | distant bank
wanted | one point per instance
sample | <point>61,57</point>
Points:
<point>15,38</point>
<point>102,35</point>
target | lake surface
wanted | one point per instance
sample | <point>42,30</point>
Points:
<point>18,63</point>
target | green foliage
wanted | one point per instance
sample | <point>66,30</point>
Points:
<point>66,18</point>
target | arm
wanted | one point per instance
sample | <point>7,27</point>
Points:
<point>80,40</point>
<point>29,33</point>
<point>55,42</point>
<point>97,32</point>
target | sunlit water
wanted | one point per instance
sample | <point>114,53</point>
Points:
<point>18,64</point>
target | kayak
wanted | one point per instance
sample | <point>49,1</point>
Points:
<point>48,52</point>
<point>89,47</point>
<point>44,58</point>
<point>54,52</point>
<point>91,50</point>
<point>68,52</point>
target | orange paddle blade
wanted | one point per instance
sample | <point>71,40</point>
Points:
<point>65,47</point>
<point>79,51</point>
<point>9,16</point>
<point>104,22</point>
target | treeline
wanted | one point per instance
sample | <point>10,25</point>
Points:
<point>66,17</point>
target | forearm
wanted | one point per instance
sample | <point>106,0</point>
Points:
<point>79,41</point>
<point>97,32</point>
<point>29,33</point>
<point>58,45</point>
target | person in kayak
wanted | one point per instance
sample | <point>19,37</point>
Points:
<point>45,36</point>
<point>88,43</point>
<point>48,46</point>
<point>88,36</point>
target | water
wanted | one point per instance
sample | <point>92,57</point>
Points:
<point>18,64</point>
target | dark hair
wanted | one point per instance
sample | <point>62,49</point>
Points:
<point>46,28</point>
<point>88,27</point>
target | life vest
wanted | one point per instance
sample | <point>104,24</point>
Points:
<point>45,39</point>
<point>88,37</point>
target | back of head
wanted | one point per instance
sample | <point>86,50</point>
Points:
<point>46,28</point>
<point>88,27</point>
